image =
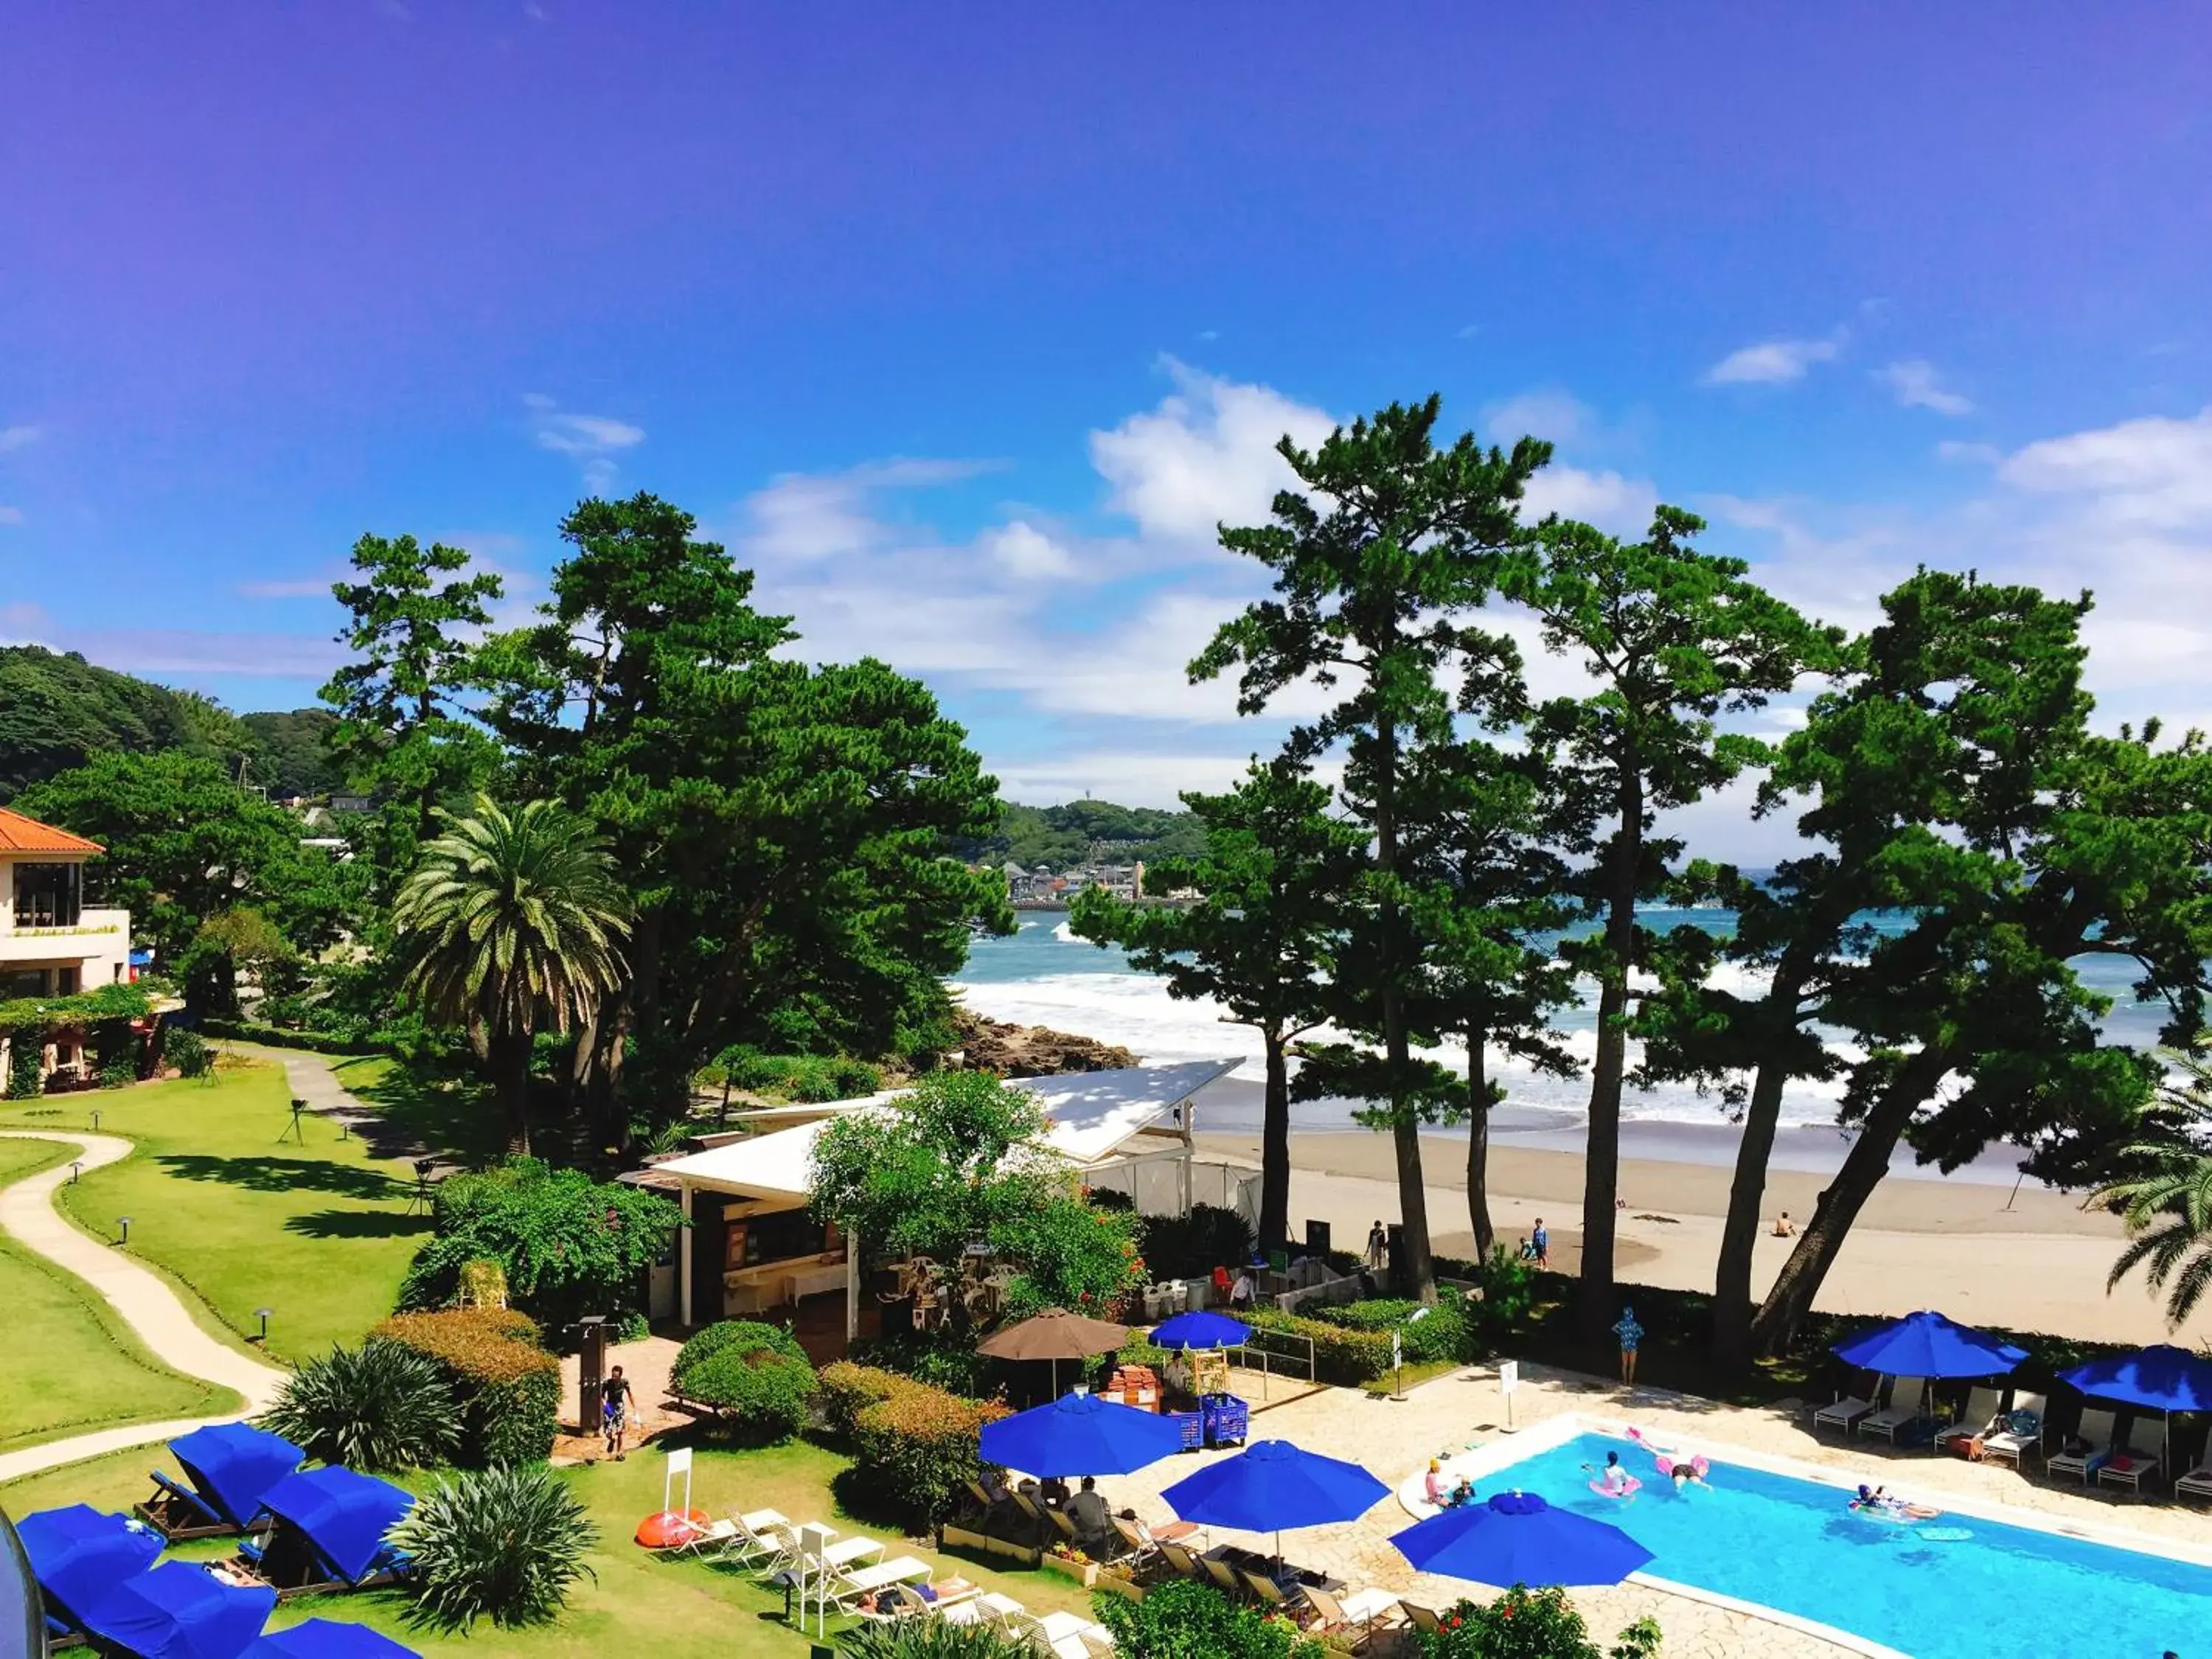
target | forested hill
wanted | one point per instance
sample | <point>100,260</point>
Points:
<point>1082,830</point>
<point>57,709</point>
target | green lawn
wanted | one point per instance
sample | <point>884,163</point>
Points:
<point>453,1113</point>
<point>68,1364</point>
<point>637,1603</point>
<point>318,1234</point>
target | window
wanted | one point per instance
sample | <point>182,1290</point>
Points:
<point>49,894</point>
<point>25,982</point>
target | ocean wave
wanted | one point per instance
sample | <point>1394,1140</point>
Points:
<point>1136,1011</point>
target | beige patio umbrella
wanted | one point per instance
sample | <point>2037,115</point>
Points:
<point>1054,1334</point>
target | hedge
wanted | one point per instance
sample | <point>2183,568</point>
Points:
<point>282,1037</point>
<point>1441,1334</point>
<point>912,1446</point>
<point>756,1378</point>
<point>1341,1355</point>
<point>506,1387</point>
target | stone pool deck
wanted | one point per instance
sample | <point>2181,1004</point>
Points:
<point>1394,1438</point>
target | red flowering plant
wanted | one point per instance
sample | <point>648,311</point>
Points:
<point>1530,1624</point>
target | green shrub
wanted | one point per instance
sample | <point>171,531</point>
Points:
<point>1526,1623</point>
<point>505,1544</point>
<point>1181,1620</point>
<point>187,1050</point>
<point>1193,1246</point>
<point>847,1390</point>
<point>1341,1355</point>
<point>912,1446</point>
<point>756,1377</point>
<point>1440,1334</point>
<point>377,1407</point>
<point>282,1037</point>
<point>942,1358</point>
<point>1506,1306</point>
<point>27,1071</point>
<point>569,1245</point>
<point>932,1638</point>
<point>506,1388</point>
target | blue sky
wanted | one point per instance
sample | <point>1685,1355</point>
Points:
<point>963,327</point>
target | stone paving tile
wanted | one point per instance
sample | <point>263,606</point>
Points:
<point>1394,1438</point>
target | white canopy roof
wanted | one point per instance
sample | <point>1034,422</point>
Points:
<point>1088,1114</point>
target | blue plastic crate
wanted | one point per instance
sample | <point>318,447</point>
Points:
<point>1228,1419</point>
<point>1193,1424</point>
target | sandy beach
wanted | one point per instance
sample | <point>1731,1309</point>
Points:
<point>2035,1260</point>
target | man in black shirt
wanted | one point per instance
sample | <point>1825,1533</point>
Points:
<point>614,1412</point>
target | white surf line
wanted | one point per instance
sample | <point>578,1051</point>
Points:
<point>141,1298</point>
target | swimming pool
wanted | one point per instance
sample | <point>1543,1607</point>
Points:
<point>1999,1592</point>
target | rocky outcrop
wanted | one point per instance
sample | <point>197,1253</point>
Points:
<point>990,1045</point>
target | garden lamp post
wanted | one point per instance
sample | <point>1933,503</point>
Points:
<point>262,1314</point>
<point>95,1120</point>
<point>124,1222</point>
<point>76,1169</point>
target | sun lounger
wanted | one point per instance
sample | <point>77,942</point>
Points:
<point>1223,1577</point>
<point>1265,1591</point>
<point>2197,1483</point>
<point>1902,1412</point>
<point>759,1536</point>
<point>1352,1619</point>
<point>2141,1457</point>
<point>849,1553</point>
<point>1426,1622</point>
<point>694,1539</point>
<point>2008,1445</point>
<point>2096,1430</point>
<point>849,1587</point>
<point>1181,1559</point>
<point>1844,1413</point>
<point>994,1608</point>
<point>1977,1420</point>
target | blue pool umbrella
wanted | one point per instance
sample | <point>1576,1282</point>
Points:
<point>232,1464</point>
<point>1202,1328</point>
<point>1081,1434</point>
<point>326,1638</point>
<point>176,1611</point>
<point>2162,1378</point>
<point>1272,1485</point>
<point>343,1514</point>
<point>78,1553</point>
<point>1926,1344</point>
<point>1517,1538</point>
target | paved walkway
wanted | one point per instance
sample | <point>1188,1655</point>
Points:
<point>1394,1438</point>
<point>312,1077</point>
<point>143,1300</point>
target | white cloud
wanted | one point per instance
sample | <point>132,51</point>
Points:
<point>1772,362</point>
<point>159,651</point>
<point>591,440</point>
<point>19,437</point>
<point>2154,471</point>
<point>1024,551</point>
<point>1205,457</point>
<point>1617,505</point>
<point>1917,384</point>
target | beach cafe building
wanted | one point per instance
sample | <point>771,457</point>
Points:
<point>753,1247</point>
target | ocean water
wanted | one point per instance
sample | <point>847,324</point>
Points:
<point>1043,975</point>
<point>1997,1591</point>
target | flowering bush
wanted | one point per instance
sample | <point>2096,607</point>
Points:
<point>1186,1620</point>
<point>1526,1623</point>
<point>912,1446</point>
<point>506,1388</point>
<point>1071,1254</point>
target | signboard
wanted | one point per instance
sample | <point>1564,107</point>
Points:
<point>1508,1376</point>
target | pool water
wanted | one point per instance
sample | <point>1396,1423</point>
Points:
<point>1999,1592</point>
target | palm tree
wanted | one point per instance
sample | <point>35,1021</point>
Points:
<point>511,922</point>
<point>2165,1194</point>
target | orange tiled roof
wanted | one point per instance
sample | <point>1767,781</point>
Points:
<point>21,834</point>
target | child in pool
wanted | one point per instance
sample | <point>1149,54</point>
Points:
<point>1876,1502</point>
<point>1462,1495</point>
<point>1613,1481</point>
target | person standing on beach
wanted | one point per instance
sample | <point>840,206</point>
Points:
<point>1630,1334</point>
<point>1378,1245</point>
<point>1542,1241</point>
